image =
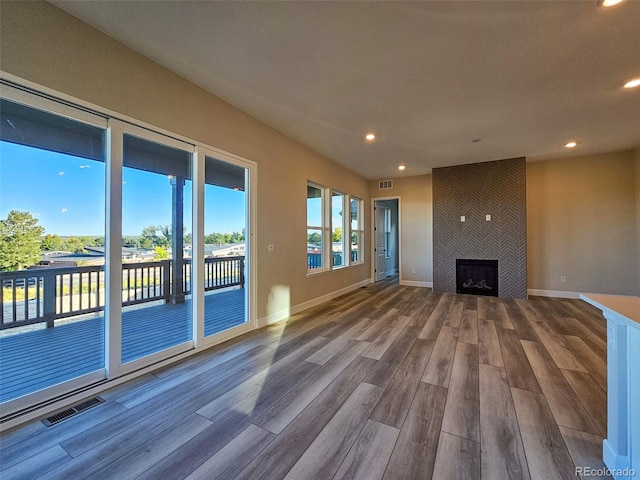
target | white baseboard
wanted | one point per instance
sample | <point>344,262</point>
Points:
<point>287,312</point>
<point>553,293</point>
<point>414,283</point>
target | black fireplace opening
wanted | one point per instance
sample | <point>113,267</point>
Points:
<point>477,277</point>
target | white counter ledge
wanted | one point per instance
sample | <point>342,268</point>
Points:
<point>621,448</point>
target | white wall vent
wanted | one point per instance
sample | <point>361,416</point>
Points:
<point>385,185</point>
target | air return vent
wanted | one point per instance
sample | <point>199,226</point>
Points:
<point>70,412</point>
<point>385,185</point>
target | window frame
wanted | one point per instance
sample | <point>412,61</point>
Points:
<point>327,228</point>
<point>324,228</point>
<point>345,228</point>
<point>359,231</point>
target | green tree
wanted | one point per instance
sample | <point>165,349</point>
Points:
<point>149,237</point>
<point>130,242</point>
<point>74,245</point>
<point>161,253</point>
<point>19,241</point>
<point>165,236</point>
<point>337,235</point>
<point>51,243</point>
<point>314,237</point>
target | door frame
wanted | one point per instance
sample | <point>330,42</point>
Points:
<point>373,233</point>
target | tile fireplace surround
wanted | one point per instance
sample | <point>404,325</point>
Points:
<point>476,191</point>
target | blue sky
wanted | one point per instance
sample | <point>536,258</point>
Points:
<point>66,194</point>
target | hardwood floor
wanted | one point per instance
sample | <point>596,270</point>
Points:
<point>387,382</point>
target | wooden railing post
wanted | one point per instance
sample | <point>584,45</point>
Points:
<point>241,267</point>
<point>166,280</point>
<point>49,294</point>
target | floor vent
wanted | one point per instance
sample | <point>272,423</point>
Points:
<point>385,185</point>
<point>70,412</point>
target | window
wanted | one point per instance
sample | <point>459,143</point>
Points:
<point>387,232</point>
<point>335,230</point>
<point>357,230</point>
<point>338,230</point>
<point>315,227</point>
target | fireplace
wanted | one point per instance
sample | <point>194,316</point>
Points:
<point>477,277</point>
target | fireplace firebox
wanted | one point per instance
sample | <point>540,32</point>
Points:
<point>477,277</point>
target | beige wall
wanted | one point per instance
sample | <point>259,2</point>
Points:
<point>581,222</point>
<point>638,219</point>
<point>416,223</point>
<point>45,45</point>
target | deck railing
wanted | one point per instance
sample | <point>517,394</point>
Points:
<point>314,260</point>
<point>49,294</point>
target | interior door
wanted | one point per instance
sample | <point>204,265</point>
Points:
<point>380,249</point>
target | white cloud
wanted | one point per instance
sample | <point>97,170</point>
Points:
<point>60,173</point>
<point>64,210</point>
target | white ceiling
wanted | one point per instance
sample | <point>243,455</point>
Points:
<point>525,77</point>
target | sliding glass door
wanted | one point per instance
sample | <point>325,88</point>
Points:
<point>225,246</point>
<point>120,247</point>
<point>156,231</point>
<point>52,233</point>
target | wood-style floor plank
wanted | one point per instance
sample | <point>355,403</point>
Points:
<point>592,397</point>
<point>560,397</point>
<point>386,337</point>
<point>290,405</point>
<point>40,464</point>
<point>502,451</point>
<point>586,451</point>
<point>414,454</point>
<point>462,413</point>
<point>397,397</point>
<point>520,323</point>
<point>432,327</point>
<point>253,387</point>
<point>468,332</point>
<point>277,458</point>
<point>587,357</point>
<point>595,342</point>
<point>557,348</point>
<point>516,363</point>
<point>488,344</point>
<point>370,453</point>
<point>547,455</point>
<point>454,315</point>
<point>138,460</point>
<point>501,317</point>
<point>324,456</point>
<point>388,364</point>
<point>438,371</point>
<point>457,458</point>
<point>234,456</point>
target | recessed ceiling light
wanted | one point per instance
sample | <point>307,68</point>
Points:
<point>632,83</point>
<point>370,136</point>
<point>401,167</point>
<point>571,144</point>
<point>608,3</point>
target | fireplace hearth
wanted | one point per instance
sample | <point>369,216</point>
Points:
<point>477,277</point>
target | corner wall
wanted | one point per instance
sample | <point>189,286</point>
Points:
<point>582,224</point>
<point>416,231</point>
